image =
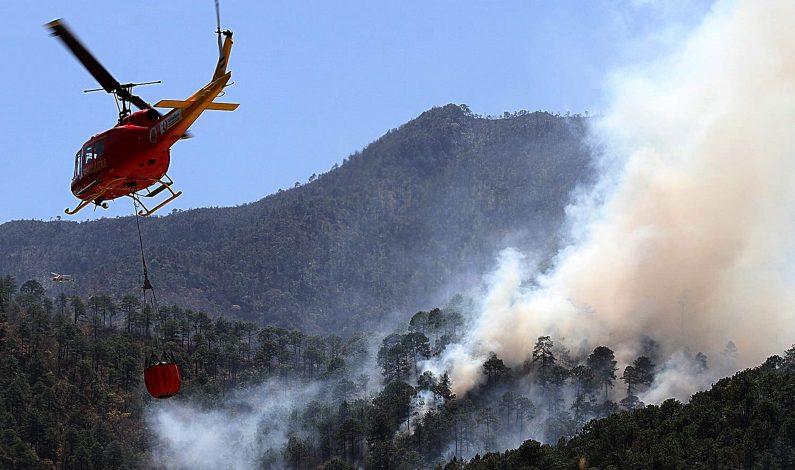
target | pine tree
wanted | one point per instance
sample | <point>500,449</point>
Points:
<point>603,364</point>
<point>494,368</point>
<point>544,360</point>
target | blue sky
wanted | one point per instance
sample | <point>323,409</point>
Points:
<point>316,80</point>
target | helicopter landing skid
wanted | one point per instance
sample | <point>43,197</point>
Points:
<point>95,198</point>
<point>165,185</point>
<point>83,204</point>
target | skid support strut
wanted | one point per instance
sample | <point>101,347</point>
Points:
<point>165,185</point>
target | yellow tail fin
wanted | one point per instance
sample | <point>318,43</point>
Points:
<point>223,58</point>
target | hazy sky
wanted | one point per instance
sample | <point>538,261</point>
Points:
<point>316,80</point>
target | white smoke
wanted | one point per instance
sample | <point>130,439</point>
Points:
<point>678,377</point>
<point>687,238</point>
<point>235,436</point>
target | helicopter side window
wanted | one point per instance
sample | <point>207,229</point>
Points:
<point>88,155</point>
<point>99,149</point>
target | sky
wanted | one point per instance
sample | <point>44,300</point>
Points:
<point>316,80</point>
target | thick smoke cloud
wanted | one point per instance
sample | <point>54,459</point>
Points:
<point>687,237</point>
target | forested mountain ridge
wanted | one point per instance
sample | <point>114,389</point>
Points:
<point>744,421</point>
<point>388,230</point>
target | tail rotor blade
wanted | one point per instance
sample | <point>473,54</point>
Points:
<point>218,26</point>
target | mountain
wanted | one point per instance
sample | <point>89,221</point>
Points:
<point>398,226</point>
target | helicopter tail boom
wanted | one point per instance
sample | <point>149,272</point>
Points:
<point>213,106</point>
<point>176,122</point>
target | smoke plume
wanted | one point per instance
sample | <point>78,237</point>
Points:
<point>687,237</point>
<point>237,435</point>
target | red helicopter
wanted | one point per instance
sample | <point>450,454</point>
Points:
<point>133,156</point>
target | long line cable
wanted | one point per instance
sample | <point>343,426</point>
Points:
<point>147,285</point>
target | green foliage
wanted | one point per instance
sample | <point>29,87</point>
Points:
<point>745,421</point>
<point>603,364</point>
<point>72,393</point>
<point>494,368</point>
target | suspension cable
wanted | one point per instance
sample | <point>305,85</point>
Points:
<point>147,285</point>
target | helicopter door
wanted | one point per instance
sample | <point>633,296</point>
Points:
<point>99,149</point>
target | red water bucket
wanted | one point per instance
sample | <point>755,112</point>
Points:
<point>162,379</point>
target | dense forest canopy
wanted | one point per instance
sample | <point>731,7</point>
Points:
<point>393,228</point>
<point>72,397</point>
<point>744,421</point>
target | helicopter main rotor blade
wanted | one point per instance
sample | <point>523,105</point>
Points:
<point>101,75</point>
<point>59,29</point>
<point>218,15</point>
<point>218,29</point>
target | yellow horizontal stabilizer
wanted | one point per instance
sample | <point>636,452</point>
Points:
<point>184,104</point>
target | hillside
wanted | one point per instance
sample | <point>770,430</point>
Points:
<point>393,228</point>
<point>744,421</point>
<point>72,396</point>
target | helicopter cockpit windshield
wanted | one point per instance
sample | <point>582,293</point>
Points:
<point>86,156</point>
<point>78,164</point>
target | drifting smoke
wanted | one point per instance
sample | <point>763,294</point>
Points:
<point>239,435</point>
<point>688,234</point>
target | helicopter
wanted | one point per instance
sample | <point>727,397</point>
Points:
<point>59,278</point>
<point>134,155</point>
